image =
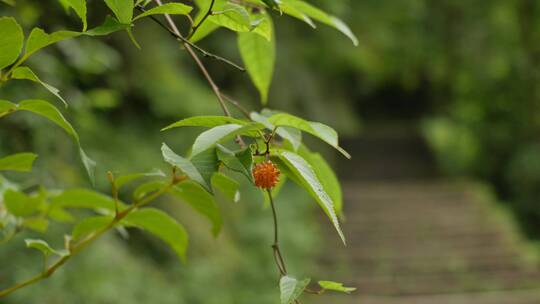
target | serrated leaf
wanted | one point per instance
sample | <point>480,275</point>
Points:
<point>86,199</point>
<point>226,185</point>
<point>167,8</point>
<point>203,202</point>
<point>39,39</point>
<point>183,164</point>
<point>335,286</point>
<point>326,175</point>
<point>240,162</point>
<point>290,288</point>
<point>90,225</point>
<point>20,204</point>
<point>258,55</point>
<point>21,162</point>
<point>205,121</point>
<point>320,16</point>
<point>24,72</point>
<point>322,131</point>
<point>110,25</point>
<point>11,41</point>
<point>309,180</point>
<point>79,6</point>
<point>122,9</point>
<point>162,226</point>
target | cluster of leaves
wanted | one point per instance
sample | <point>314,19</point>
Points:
<point>214,157</point>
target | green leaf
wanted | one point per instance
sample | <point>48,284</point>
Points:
<point>232,16</point>
<point>309,180</point>
<point>122,180</point>
<point>292,135</point>
<point>335,286</point>
<point>38,39</point>
<point>61,215</point>
<point>50,112</point>
<point>205,121</point>
<point>21,162</point>
<point>9,2</point>
<point>258,55</point>
<point>290,288</point>
<point>11,41</point>
<point>37,224</point>
<point>146,188</point>
<point>162,226</point>
<point>167,8</point>
<point>42,246</point>
<point>228,186</point>
<point>110,25</point>
<point>26,73</point>
<point>183,164</point>
<point>20,204</point>
<point>90,225</point>
<point>274,4</point>
<point>83,198</point>
<point>79,6</point>
<point>204,30</point>
<point>240,162</point>
<point>206,163</point>
<point>6,107</point>
<point>203,202</point>
<point>326,175</point>
<point>322,131</point>
<point>319,15</point>
<point>211,137</point>
<point>122,9</point>
<point>291,11</point>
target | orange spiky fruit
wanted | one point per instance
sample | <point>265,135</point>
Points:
<point>266,175</point>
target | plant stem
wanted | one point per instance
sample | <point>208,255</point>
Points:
<point>278,257</point>
<point>208,13</point>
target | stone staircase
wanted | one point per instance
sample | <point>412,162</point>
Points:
<point>415,238</point>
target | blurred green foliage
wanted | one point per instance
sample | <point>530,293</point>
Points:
<point>120,97</point>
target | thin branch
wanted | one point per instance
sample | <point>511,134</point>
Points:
<point>182,39</point>
<point>235,103</point>
<point>208,13</point>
